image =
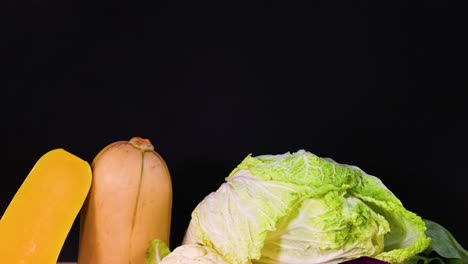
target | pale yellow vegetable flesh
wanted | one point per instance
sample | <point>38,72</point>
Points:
<point>129,204</point>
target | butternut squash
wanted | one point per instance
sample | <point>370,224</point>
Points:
<point>38,219</point>
<point>129,204</point>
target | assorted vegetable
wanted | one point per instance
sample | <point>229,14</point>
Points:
<point>38,219</point>
<point>129,204</point>
<point>290,208</point>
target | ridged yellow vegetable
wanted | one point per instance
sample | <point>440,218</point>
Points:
<point>129,204</point>
<point>38,219</point>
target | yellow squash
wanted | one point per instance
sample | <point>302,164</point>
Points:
<point>129,204</point>
<point>38,219</point>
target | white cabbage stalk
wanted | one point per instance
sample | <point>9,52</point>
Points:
<point>193,253</point>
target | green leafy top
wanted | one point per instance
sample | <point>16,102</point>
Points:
<point>156,251</point>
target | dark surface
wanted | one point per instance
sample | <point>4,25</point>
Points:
<point>379,87</point>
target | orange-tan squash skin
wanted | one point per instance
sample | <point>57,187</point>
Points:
<point>129,204</point>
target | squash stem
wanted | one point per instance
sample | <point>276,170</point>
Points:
<point>141,143</point>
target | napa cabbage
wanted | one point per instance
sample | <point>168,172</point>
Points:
<point>301,208</point>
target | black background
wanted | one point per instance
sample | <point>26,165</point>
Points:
<point>380,87</point>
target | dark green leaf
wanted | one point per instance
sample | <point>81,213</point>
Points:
<point>443,243</point>
<point>444,248</point>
